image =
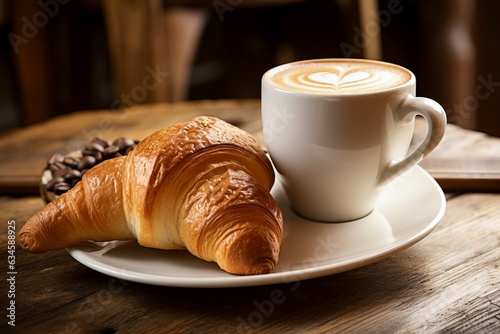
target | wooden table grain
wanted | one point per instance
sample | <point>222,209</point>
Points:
<point>448,283</point>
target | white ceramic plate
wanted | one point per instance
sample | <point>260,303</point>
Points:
<point>408,210</point>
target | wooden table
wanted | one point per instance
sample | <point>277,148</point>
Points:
<point>449,282</point>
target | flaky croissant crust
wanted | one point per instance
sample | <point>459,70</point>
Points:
<point>202,185</point>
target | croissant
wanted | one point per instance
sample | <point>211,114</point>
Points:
<point>201,185</point>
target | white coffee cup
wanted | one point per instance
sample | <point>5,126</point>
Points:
<point>338,130</point>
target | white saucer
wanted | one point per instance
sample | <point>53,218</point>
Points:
<point>408,210</point>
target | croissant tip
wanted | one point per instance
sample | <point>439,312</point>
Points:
<point>25,240</point>
<point>259,267</point>
<point>264,266</point>
<point>28,242</point>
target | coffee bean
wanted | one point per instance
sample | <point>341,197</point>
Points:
<point>61,172</point>
<point>110,152</point>
<point>70,162</point>
<point>95,147</point>
<point>104,143</point>
<point>51,184</point>
<point>127,151</point>
<point>55,158</point>
<point>118,140</point>
<point>98,156</point>
<point>57,166</point>
<point>86,162</point>
<point>72,174</point>
<point>123,143</point>
<point>61,188</point>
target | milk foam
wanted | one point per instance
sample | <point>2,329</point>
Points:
<point>338,77</point>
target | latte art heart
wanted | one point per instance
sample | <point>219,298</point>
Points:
<point>333,79</point>
<point>347,77</point>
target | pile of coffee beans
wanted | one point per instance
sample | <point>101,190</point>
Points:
<point>67,171</point>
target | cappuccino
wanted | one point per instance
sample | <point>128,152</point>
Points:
<point>338,131</point>
<point>338,76</point>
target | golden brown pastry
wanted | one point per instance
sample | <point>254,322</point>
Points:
<point>202,185</point>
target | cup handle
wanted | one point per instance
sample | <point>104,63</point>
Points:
<point>435,116</point>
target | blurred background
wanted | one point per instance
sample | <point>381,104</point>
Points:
<point>61,56</point>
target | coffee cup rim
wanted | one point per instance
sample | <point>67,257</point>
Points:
<point>410,82</point>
